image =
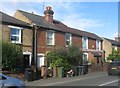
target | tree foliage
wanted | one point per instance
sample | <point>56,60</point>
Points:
<point>115,55</point>
<point>74,55</point>
<point>11,55</point>
<point>65,57</point>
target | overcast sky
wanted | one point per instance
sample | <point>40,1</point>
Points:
<point>100,18</point>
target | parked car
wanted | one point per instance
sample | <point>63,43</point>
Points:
<point>10,82</point>
<point>114,68</point>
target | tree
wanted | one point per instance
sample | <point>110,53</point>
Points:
<point>74,55</point>
<point>115,55</point>
<point>64,57</point>
<point>11,55</point>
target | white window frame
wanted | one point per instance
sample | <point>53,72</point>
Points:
<point>85,61</point>
<point>41,55</point>
<point>20,35</point>
<point>86,42</point>
<point>70,39</point>
<point>98,47</point>
<point>85,54</point>
<point>53,37</point>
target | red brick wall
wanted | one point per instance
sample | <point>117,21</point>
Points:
<point>90,57</point>
<point>41,37</point>
<point>59,39</point>
<point>41,41</point>
<point>43,48</point>
<point>77,40</point>
<point>91,42</point>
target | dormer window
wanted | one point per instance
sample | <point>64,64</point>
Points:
<point>68,37</point>
<point>84,42</point>
<point>15,36</point>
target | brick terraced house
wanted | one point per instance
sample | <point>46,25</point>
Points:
<point>16,31</point>
<point>52,34</point>
<point>109,44</point>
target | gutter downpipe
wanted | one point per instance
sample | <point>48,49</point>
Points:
<point>34,51</point>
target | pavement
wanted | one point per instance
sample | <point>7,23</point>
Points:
<point>59,81</point>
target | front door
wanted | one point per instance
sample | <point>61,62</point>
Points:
<point>40,61</point>
<point>26,60</point>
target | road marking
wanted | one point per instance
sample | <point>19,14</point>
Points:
<point>56,83</point>
<point>108,83</point>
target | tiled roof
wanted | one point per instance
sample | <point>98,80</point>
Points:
<point>75,31</point>
<point>113,42</point>
<point>57,25</point>
<point>4,18</point>
<point>39,20</point>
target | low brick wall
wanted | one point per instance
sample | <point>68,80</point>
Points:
<point>106,66</point>
<point>97,67</point>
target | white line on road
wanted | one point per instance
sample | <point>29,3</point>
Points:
<point>108,83</point>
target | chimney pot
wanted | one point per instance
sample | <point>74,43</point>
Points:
<point>49,14</point>
<point>48,8</point>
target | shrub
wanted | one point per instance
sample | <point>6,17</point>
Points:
<point>115,55</point>
<point>11,55</point>
<point>64,57</point>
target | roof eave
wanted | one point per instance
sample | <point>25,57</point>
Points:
<point>19,25</point>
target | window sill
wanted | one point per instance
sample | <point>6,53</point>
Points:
<point>98,49</point>
<point>50,45</point>
<point>85,49</point>
<point>17,43</point>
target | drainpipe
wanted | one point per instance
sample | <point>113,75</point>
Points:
<point>36,38</point>
<point>34,49</point>
<point>33,46</point>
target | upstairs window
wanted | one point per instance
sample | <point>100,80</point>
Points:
<point>84,42</point>
<point>15,34</point>
<point>68,37</point>
<point>98,45</point>
<point>50,37</point>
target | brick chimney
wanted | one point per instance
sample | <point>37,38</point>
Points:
<point>49,14</point>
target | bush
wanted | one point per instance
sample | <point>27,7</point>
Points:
<point>11,55</point>
<point>64,57</point>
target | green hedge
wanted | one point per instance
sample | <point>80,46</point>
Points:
<point>11,55</point>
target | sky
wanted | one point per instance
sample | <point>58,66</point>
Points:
<point>100,18</point>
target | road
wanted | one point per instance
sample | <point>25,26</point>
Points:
<point>92,79</point>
